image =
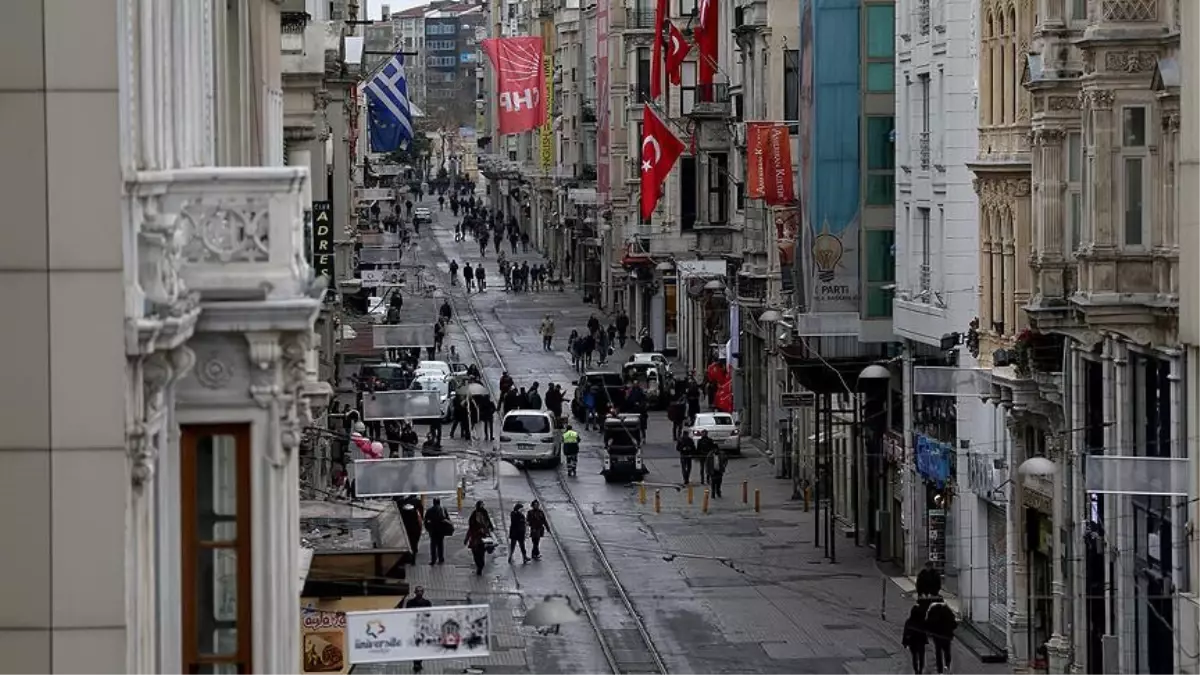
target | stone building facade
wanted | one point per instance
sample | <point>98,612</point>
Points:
<point>166,341</point>
<point>1079,257</point>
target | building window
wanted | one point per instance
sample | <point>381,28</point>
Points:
<point>687,88</point>
<point>923,220</point>
<point>881,272</point>
<point>687,193</point>
<point>1074,204</point>
<point>881,161</point>
<point>881,48</point>
<point>923,141</point>
<point>1078,10</point>
<point>1133,173</point>
<point>791,89</point>
<point>218,634</point>
<point>643,75</point>
<point>718,188</point>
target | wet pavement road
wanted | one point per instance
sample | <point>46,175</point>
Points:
<point>726,591</point>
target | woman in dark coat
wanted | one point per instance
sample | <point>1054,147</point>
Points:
<point>537,527</point>
<point>915,638</point>
<point>516,532</point>
<point>479,527</point>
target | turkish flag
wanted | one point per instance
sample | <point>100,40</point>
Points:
<point>520,82</point>
<point>706,40</point>
<point>660,149</point>
<point>656,57</point>
<point>677,50</point>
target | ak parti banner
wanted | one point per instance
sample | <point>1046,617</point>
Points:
<point>780,181</point>
<point>519,81</point>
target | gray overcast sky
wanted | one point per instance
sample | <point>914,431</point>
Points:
<point>375,7</point>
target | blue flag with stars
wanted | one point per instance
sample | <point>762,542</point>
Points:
<point>388,109</point>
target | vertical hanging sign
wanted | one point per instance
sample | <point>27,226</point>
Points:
<point>547,130</point>
<point>323,239</point>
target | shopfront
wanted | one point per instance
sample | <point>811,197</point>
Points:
<point>933,460</point>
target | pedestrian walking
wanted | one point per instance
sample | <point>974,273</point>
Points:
<point>538,525</point>
<point>479,535</point>
<point>410,517</point>
<point>915,638</point>
<point>686,449</point>
<point>487,415</point>
<point>468,276</point>
<point>418,601</point>
<point>717,460</point>
<point>547,332</point>
<point>929,585</point>
<point>439,526</point>
<point>940,624</point>
<point>454,272</point>
<point>622,327</point>
<point>481,278</point>
<point>704,447</point>
<point>677,412</point>
<point>517,526</point>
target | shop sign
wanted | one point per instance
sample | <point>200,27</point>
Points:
<point>422,634</point>
<point>323,239</point>
<point>893,448</point>
<point>796,399</point>
<point>323,641</point>
<point>933,459</point>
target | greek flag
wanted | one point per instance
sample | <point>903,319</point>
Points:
<point>387,105</point>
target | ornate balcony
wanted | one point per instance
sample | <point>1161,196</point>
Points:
<point>228,233</point>
<point>712,101</point>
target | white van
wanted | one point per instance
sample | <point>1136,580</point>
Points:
<point>531,436</point>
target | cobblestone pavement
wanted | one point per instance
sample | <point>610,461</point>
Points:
<point>726,591</point>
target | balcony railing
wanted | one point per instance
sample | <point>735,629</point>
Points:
<point>923,147</point>
<point>712,100</point>
<point>751,290</point>
<point>639,19</point>
<point>587,114</point>
<point>639,93</point>
<point>587,172</point>
<point>239,230</point>
<point>925,280</point>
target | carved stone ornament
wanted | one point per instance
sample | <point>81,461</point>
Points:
<point>1170,122</point>
<point>1130,62</point>
<point>1039,104</point>
<point>1097,99</point>
<point>231,229</point>
<point>159,371</point>
<point>213,371</point>
<point>1061,103</point>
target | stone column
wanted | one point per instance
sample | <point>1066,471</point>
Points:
<point>1009,267</point>
<point>985,82</point>
<point>996,221</point>
<point>1018,581</point>
<point>1050,187</point>
<point>985,267</point>
<point>1022,238</point>
<point>1103,145</point>
<point>1058,647</point>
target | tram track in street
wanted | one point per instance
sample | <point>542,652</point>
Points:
<point>625,649</point>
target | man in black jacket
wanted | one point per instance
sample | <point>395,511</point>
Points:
<point>439,526</point>
<point>418,600</point>
<point>705,447</point>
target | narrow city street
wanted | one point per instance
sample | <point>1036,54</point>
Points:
<point>678,590</point>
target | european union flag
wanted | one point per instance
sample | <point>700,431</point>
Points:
<point>390,115</point>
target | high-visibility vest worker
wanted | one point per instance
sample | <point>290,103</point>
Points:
<point>570,440</point>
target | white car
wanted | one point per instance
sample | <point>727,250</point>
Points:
<point>422,214</point>
<point>530,436</point>
<point>722,428</point>
<point>434,381</point>
<point>652,357</point>
<point>439,366</point>
<point>377,309</point>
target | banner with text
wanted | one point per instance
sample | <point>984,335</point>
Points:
<point>787,224</point>
<point>420,634</point>
<point>323,239</point>
<point>780,179</point>
<point>756,159</point>
<point>519,81</point>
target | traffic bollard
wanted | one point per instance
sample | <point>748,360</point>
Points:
<point>757,501</point>
<point>745,490</point>
<point>658,501</point>
<point>460,498</point>
<point>690,495</point>
<point>807,497</point>
<point>641,493</point>
<point>704,504</point>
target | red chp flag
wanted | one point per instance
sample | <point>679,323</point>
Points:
<point>677,51</point>
<point>656,57</point>
<point>519,81</point>
<point>780,187</point>
<point>660,149</point>
<point>706,40</point>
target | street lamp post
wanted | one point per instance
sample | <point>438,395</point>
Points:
<point>873,382</point>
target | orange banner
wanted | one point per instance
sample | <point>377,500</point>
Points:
<point>780,187</point>
<point>756,158</point>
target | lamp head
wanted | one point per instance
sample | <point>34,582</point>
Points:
<point>1037,466</point>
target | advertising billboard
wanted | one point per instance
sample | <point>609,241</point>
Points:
<point>421,634</point>
<point>401,336</point>
<point>323,254</point>
<point>404,404</point>
<point>378,256</point>
<point>405,476</point>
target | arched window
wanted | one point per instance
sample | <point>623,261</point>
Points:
<point>1015,61</point>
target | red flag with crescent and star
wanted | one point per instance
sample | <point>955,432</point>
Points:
<point>656,57</point>
<point>677,50</point>
<point>660,149</point>
<point>707,37</point>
